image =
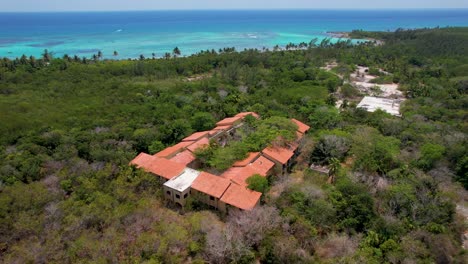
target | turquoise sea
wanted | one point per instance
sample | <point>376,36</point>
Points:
<point>147,32</point>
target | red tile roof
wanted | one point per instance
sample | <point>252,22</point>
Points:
<point>239,175</point>
<point>280,154</point>
<point>213,132</point>
<point>262,165</point>
<point>250,158</point>
<point>198,144</point>
<point>226,127</point>
<point>196,136</point>
<point>185,157</point>
<point>231,173</point>
<point>171,151</point>
<point>293,146</point>
<point>166,168</point>
<point>142,160</point>
<point>303,128</point>
<point>299,135</point>
<point>229,121</point>
<point>162,167</point>
<point>241,197</point>
<point>244,114</point>
<point>211,184</point>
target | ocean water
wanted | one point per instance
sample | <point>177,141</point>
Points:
<point>147,32</point>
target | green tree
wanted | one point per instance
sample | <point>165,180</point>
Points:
<point>155,147</point>
<point>325,117</point>
<point>258,183</point>
<point>430,153</point>
<point>143,138</point>
<point>374,152</point>
<point>202,121</point>
<point>176,52</point>
<point>46,56</point>
<point>334,168</point>
<point>330,147</point>
<point>175,131</point>
<point>462,171</point>
<point>354,206</point>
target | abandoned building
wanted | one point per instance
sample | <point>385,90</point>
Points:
<point>176,167</point>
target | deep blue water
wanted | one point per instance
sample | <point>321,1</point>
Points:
<point>147,32</point>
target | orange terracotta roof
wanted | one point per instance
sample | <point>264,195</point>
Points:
<point>293,146</point>
<point>231,173</point>
<point>262,165</point>
<point>185,157</point>
<point>171,151</point>
<point>211,184</point>
<point>162,167</point>
<point>198,144</point>
<point>226,127</point>
<point>280,154</point>
<point>142,160</point>
<point>251,157</point>
<point>229,121</point>
<point>196,136</point>
<point>244,114</point>
<point>239,175</point>
<point>303,128</point>
<point>241,197</point>
<point>213,132</point>
<point>166,168</point>
<point>299,135</point>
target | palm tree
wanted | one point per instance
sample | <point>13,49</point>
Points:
<point>32,61</point>
<point>334,168</point>
<point>24,60</point>
<point>99,54</point>
<point>154,55</point>
<point>313,42</point>
<point>176,52</point>
<point>46,56</point>
<point>66,57</point>
<point>142,57</point>
<point>116,53</point>
<point>167,55</point>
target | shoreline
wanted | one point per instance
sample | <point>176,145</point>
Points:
<point>339,34</point>
<point>347,35</point>
<point>275,48</point>
<point>134,33</point>
<point>335,36</point>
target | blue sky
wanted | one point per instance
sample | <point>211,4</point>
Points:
<point>104,5</point>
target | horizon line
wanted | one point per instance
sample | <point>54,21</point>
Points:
<point>245,9</point>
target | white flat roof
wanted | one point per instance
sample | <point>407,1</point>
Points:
<point>183,181</point>
<point>371,104</point>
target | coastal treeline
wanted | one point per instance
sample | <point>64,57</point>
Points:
<point>69,128</point>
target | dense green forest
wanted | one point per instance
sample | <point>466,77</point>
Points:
<point>69,127</point>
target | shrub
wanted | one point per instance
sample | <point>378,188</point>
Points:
<point>258,183</point>
<point>430,153</point>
